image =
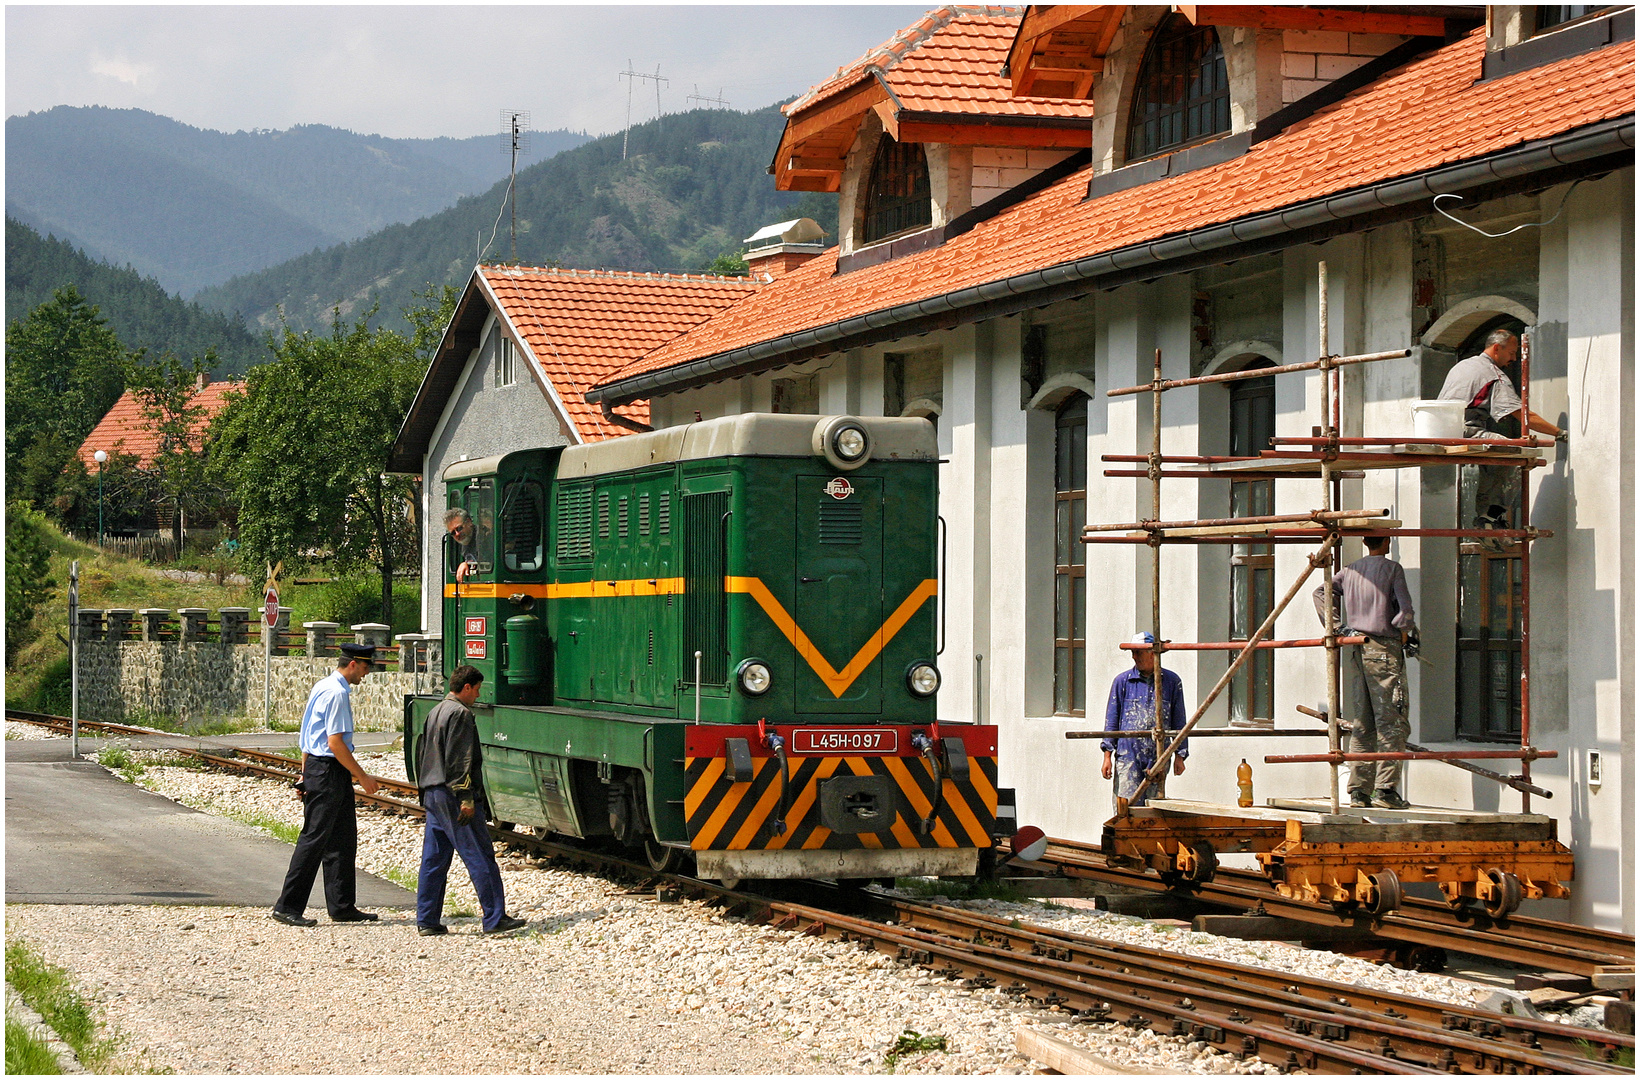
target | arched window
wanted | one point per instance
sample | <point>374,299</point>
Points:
<point>897,194</point>
<point>1252,566</point>
<point>1183,93</point>
<point>1070,596</point>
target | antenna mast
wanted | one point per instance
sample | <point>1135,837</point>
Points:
<point>633,76</point>
<point>707,100</point>
<point>515,137</point>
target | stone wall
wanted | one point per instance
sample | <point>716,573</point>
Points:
<point>128,681</point>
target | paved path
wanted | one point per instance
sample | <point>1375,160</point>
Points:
<point>76,834</point>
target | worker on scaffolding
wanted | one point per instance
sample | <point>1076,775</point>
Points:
<point>1132,707</point>
<point>1492,411</point>
<point>1378,606</point>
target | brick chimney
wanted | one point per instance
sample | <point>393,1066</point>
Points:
<point>779,249</point>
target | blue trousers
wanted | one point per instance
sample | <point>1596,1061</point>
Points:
<point>443,838</point>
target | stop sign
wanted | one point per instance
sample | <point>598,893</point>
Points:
<point>270,607</point>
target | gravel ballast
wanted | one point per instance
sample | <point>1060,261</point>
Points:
<point>602,980</point>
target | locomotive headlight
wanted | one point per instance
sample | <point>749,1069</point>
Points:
<point>849,442</point>
<point>754,677</point>
<point>923,679</point>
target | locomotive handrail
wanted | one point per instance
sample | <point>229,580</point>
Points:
<point>944,531</point>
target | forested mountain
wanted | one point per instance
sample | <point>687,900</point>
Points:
<point>193,207</point>
<point>693,185</point>
<point>137,309</point>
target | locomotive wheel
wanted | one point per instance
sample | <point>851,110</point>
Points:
<point>1459,902</point>
<point>1204,865</point>
<point>1386,892</point>
<point>663,859</point>
<point>1507,896</point>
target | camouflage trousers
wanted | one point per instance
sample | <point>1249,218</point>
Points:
<point>1375,694</point>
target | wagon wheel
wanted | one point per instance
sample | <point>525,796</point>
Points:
<point>1204,865</point>
<point>1385,896</point>
<point>1507,895</point>
<point>663,859</point>
<point>1458,902</point>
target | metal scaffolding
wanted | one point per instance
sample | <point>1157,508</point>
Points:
<point>1331,458</point>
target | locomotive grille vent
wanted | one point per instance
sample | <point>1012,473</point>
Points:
<point>663,513</point>
<point>705,561</point>
<point>623,516</point>
<point>575,523</point>
<point>643,514</point>
<point>603,515</point>
<point>840,523</point>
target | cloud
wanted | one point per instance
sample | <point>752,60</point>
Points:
<point>132,74</point>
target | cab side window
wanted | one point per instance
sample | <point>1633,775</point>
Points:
<point>522,547</point>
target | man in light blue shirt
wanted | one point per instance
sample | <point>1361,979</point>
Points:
<point>330,834</point>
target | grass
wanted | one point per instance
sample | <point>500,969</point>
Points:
<point>117,756</point>
<point>38,679</point>
<point>46,989</point>
<point>26,1053</point>
<point>976,888</point>
<point>909,1043</point>
<point>279,829</point>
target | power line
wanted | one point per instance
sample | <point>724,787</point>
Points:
<point>706,100</point>
<point>633,76</point>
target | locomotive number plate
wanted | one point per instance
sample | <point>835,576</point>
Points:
<point>475,626</point>
<point>872,741</point>
<point>475,648</point>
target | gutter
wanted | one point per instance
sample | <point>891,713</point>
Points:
<point>1579,152</point>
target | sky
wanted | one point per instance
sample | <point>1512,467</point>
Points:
<point>424,71</point>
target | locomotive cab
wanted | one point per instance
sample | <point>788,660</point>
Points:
<point>719,638</point>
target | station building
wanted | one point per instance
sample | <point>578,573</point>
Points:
<point>1033,201</point>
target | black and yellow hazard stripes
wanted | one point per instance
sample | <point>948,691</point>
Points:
<point>739,816</point>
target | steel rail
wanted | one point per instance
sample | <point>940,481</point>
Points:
<point>1361,1009</point>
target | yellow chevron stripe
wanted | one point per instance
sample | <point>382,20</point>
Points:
<point>836,681</point>
<point>571,590</point>
<point>702,840</point>
<point>743,838</point>
<point>965,814</point>
<point>919,802</point>
<point>702,787</point>
<point>805,799</point>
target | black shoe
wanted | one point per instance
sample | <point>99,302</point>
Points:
<point>1360,798</point>
<point>507,925</point>
<point>1389,799</point>
<point>354,915</point>
<point>433,931</point>
<point>292,920</point>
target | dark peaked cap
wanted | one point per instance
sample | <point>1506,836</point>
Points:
<point>358,652</point>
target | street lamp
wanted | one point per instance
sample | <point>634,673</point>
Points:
<point>101,458</point>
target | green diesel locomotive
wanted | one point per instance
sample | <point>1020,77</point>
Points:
<point>718,640</point>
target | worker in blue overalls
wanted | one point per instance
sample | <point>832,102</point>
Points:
<point>1132,707</point>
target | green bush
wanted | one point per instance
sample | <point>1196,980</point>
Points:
<point>28,583</point>
<point>358,599</point>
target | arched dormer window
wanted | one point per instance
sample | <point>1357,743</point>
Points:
<point>1183,93</point>
<point>897,194</point>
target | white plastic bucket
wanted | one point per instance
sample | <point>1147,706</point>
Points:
<point>1437,419</point>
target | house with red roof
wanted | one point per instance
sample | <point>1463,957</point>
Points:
<point>1035,202</point>
<point>522,349</point>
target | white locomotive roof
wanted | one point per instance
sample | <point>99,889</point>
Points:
<point>893,438</point>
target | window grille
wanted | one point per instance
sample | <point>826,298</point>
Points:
<point>1183,92</point>
<point>898,198</point>
<point>575,522</point>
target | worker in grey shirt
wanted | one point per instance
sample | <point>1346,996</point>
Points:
<point>1492,411</point>
<point>1377,605</point>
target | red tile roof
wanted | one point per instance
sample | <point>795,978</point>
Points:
<point>949,61</point>
<point>124,429</point>
<point>583,325</point>
<point>1429,113</point>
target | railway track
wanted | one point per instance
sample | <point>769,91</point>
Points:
<point>1286,1020</point>
<point>1532,942</point>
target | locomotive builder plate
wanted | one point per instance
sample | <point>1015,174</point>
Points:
<point>850,741</point>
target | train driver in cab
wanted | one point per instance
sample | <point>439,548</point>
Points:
<point>464,543</point>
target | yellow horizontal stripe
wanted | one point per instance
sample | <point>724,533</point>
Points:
<point>572,590</point>
<point>836,681</point>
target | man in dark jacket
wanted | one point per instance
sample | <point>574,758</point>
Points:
<point>450,773</point>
